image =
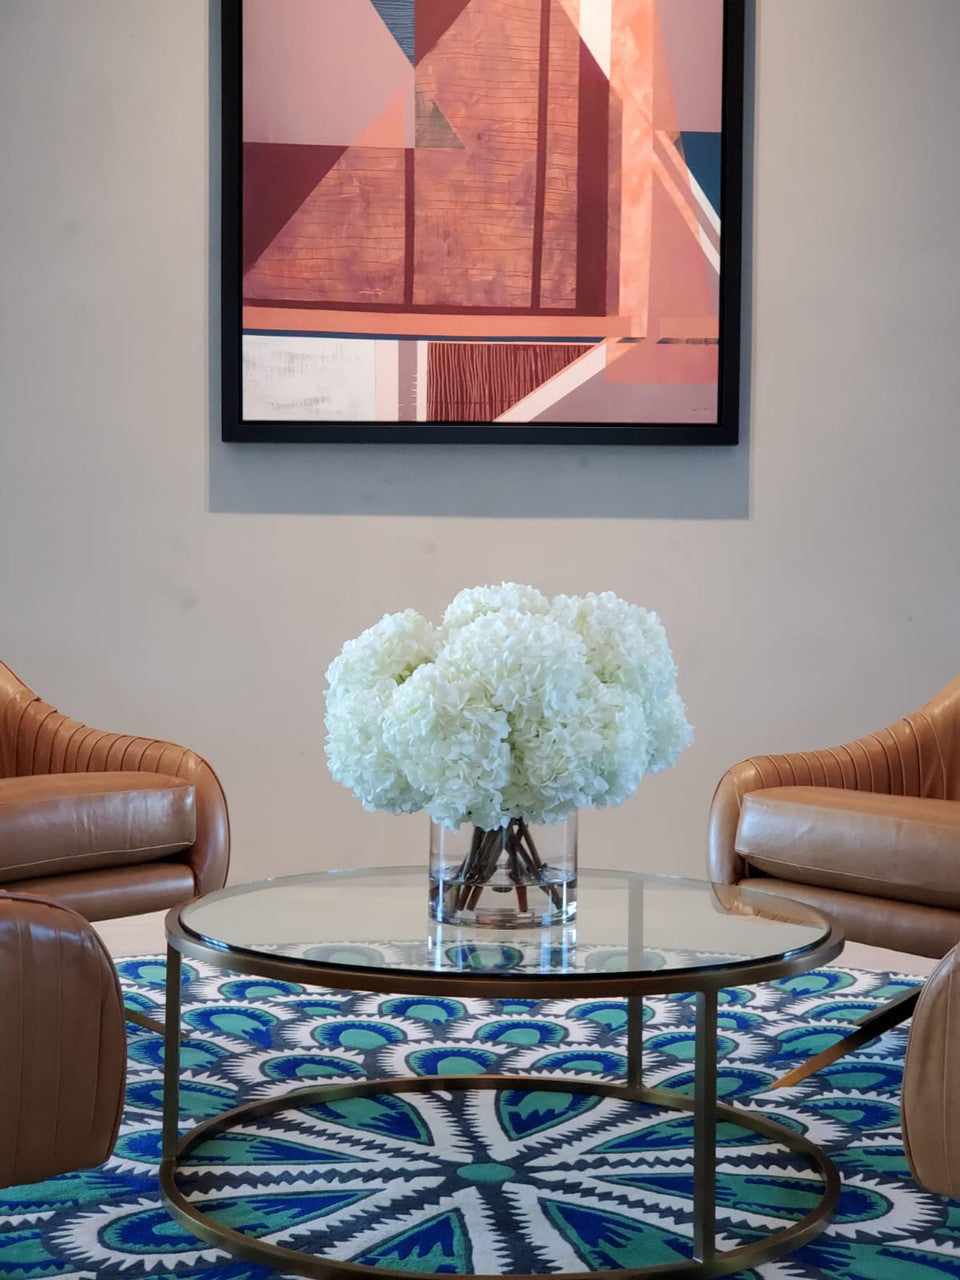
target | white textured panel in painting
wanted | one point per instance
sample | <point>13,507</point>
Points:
<point>301,378</point>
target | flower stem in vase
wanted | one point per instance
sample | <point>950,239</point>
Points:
<point>500,878</point>
<point>514,849</point>
<point>465,872</point>
<point>478,866</point>
<point>537,862</point>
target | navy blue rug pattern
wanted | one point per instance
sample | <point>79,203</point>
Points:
<point>513,1180</point>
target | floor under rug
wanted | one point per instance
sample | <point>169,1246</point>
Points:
<point>456,1182</point>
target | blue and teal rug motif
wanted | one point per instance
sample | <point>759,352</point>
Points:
<point>483,1181</point>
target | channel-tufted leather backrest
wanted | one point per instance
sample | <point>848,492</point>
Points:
<point>918,755</point>
<point>36,738</point>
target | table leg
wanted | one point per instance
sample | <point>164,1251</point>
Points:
<point>705,1128</point>
<point>635,1042</point>
<point>870,1026</point>
<point>142,1020</point>
<point>171,1058</point>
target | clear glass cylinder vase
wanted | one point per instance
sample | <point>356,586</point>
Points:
<point>517,875</point>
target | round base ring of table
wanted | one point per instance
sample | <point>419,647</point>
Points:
<point>283,1259</point>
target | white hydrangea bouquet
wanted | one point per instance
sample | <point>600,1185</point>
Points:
<point>516,710</point>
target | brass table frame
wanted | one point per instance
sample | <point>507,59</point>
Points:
<point>707,1260</point>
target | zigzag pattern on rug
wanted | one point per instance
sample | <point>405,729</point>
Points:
<point>490,1182</point>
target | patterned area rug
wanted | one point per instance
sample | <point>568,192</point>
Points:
<point>506,1181</point>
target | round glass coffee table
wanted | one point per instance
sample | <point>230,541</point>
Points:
<point>634,935</point>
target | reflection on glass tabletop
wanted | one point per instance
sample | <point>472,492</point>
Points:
<point>627,923</point>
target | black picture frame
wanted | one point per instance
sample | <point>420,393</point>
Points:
<point>236,428</point>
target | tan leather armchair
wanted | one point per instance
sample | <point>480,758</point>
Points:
<point>93,825</point>
<point>930,1100</point>
<point>108,824</point>
<point>62,1042</point>
<point>868,831</point>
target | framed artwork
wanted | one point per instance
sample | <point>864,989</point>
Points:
<point>481,220</point>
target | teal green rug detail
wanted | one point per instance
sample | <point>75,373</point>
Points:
<point>516,1180</point>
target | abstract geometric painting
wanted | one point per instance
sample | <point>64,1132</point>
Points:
<point>481,220</point>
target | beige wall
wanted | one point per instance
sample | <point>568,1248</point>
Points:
<point>156,580</point>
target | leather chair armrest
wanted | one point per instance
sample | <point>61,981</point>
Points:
<point>918,755</point>
<point>62,1042</point>
<point>724,864</point>
<point>930,1100</point>
<point>36,738</point>
<point>209,859</point>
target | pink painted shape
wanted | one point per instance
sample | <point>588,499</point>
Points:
<point>318,72</point>
<point>692,37</point>
<point>681,285</point>
<point>632,82</point>
<point>395,126</point>
<point>600,401</point>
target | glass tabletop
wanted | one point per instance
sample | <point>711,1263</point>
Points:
<point>627,924</point>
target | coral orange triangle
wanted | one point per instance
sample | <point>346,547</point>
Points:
<point>394,126</point>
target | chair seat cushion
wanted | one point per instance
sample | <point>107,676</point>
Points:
<point>900,847</point>
<point>62,822</point>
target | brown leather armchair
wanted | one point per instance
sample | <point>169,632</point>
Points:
<point>869,831</point>
<point>108,824</point>
<point>93,825</point>
<point>930,1100</point>
<point>62,1042</point>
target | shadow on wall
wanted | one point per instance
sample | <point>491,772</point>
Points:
<point>502,481</point>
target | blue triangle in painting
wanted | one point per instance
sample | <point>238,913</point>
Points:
<point>702,154</point>
<point>398,15</point>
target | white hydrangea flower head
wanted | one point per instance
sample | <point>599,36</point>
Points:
<point>669,730</point>
<point>520,660</point>
<point>361,680</point>
<point>452,745</point>
<point>519,707</point>
<point>358,756</point>
<point>627,646</point>
<point>391,649</point>
<point>473,602</point>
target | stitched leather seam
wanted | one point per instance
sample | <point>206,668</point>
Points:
<point>77,767</point>
<point>840,875</point>
<point>18,727</point>
<point>37,729</point>
<point>831,753</point>
<point>87,796</point>
<point>77,728</point>
<point>796,809</point>
<point>918,788</point>
<point>900,746</point>
<point>935,738</point>
<point>175,847</point>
